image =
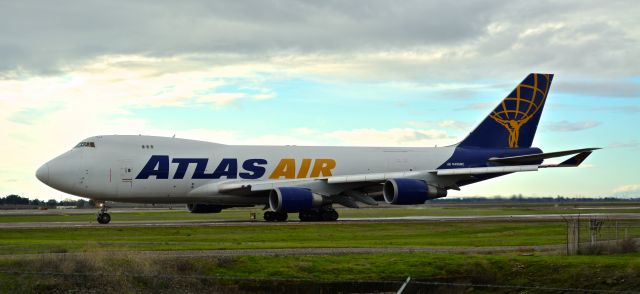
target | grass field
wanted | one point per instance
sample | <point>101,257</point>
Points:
<point>266,272</point>
<point>99,268</point>
<point>243,214</point>
<point>449,234</point>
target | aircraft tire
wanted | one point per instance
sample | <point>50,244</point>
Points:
<point>269,216</point>
<point>281,216</point>
<point>329,215</point>
<point>103,218</point>
<point>310,216</point>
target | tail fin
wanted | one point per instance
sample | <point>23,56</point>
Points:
<point>514,122</point>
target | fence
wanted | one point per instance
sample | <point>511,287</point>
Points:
<point>601,235</point>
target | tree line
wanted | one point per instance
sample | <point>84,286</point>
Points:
<point>521,198</point>
<point>17,200</point>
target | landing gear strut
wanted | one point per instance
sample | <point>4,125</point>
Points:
<point>274,216</point>
<point>326,213</point>
<point>103,217</point>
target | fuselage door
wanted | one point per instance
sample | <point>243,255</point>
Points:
<point>126,178</point>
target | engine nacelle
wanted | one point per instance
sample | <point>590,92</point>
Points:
<point>410,191</point>
<point>205,208</point>
<point>294,199</point>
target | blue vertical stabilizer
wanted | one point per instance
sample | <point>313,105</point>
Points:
<point>513,123</point>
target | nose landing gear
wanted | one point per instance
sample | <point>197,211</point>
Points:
<point>103,217</point>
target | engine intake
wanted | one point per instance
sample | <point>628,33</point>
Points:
<point>410,191</point>
<point>293,199</point>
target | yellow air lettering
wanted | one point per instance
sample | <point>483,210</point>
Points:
<point>323,167</point>
<point>286,168</point>
<point>304,168</point>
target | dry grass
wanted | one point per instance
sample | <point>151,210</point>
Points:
<point>102,271</point>
<point>626,245</point>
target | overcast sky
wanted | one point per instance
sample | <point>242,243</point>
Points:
<point>392,73</point>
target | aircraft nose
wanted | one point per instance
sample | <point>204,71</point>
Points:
<point>43,173</point>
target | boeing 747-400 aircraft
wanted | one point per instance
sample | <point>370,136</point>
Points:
<point>209,177</point>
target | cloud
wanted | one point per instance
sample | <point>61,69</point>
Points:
<point>85,30</point>
<point>607,88</point>
<point>478,106</point>
<point>627,191</point>
<point>454,124</point>
<point>393,137</point>
<point>629,144</point>
<point>390,137</point>
<point>567,126</point>
<point>411,40</point>
<point>443,124</point>
<point>624,109</point>
<point>89,68</point>
<point>627,188</point>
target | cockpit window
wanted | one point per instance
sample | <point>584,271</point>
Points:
<point>86,144</point>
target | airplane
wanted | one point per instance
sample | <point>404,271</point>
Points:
<point>307,180</point>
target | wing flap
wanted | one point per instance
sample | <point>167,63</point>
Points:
<point>486,170</point>
<point>377,177</point>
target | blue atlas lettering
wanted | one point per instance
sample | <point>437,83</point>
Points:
<point>158,166</point>
<point>228,168</point>
<point>183,164</point>
<point>253,168</point>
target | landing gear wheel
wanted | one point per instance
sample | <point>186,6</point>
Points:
<point>282,216</point>
<point>274,216</point>
<point>309,216</point>
<point>305,216</point>
<point>325,214</point>
<point>269,216</point>
<point>103,218</point>
<point>329,215</point>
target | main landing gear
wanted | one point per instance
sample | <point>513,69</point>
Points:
<point>326,214</point>
<point>323,214</point>
<point>274,216</point>
<point>103,217</point>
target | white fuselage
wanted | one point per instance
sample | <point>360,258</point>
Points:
<point>122,168</point>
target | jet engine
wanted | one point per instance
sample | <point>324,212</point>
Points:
<point>205,208</point>
<point>410,191</point>
<point>293,199</point>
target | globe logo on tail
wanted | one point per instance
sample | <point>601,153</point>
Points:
<point>521,105</point>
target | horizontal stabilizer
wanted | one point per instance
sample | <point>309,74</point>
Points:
<point>523,159</point>
<point>574,161</point>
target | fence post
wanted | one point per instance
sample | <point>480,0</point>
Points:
<point>573,234</point>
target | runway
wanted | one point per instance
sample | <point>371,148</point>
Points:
<point>91,223</point>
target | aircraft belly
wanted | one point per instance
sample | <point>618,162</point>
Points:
<point>220,199</point>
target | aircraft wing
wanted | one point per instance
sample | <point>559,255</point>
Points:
<point>323,184</point>
<point>444,178</point>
